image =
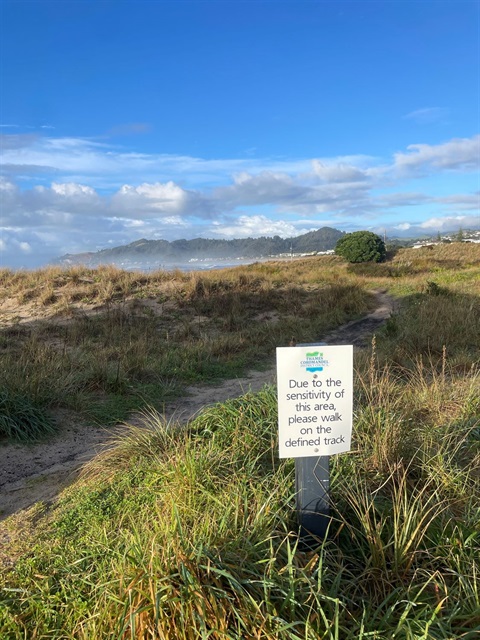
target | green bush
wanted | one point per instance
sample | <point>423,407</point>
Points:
<point>361,246</point>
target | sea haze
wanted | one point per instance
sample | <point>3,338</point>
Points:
<point>203,253</point>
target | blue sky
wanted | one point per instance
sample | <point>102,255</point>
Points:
<point>121,120</point>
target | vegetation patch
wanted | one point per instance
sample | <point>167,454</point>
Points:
<point>189,531</point>
<point>216,553</point>
<point>170,331</point>
<point>361,246</point>
<point>21,419</point>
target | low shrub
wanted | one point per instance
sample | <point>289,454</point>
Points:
<point>361,246</point>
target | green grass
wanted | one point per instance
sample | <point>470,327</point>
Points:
<point>430,322</point>
<point>113,362</point>
<point>189,531</point>
<point>21,419</point>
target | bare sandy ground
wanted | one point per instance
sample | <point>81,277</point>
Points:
<point>38,472</point>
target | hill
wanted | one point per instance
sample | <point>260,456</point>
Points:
<point>159,252</point>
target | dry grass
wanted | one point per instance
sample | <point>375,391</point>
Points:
<point>108,284</point>
<point>186,533</point>
<point>107,341</point>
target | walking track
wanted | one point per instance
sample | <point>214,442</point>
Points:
<point>38,472</point>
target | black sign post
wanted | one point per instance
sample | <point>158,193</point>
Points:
<point>312,488</point>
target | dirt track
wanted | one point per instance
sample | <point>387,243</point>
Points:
<point>38,472</point>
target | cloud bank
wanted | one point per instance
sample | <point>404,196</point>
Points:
<point>65,195</point>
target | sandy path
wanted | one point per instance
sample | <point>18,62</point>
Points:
<point>38,472</point>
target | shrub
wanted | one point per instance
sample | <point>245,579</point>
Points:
<point>361,246</point>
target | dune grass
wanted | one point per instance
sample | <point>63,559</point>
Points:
<point>150,336</point>
<point>189,531</point>
<point>22,420</point>
<point>105,342</point>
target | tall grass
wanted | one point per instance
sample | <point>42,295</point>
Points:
<point>433,320</point>
<point>124,356</point>
<point>21,419</point>
<point>189,531</point>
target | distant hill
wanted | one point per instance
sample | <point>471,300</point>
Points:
<point>159,252</point>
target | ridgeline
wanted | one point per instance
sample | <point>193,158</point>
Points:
<point>162,251</point>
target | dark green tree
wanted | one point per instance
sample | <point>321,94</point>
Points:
<point>361,246</point>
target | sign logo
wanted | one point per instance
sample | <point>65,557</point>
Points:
<point>314,361</point>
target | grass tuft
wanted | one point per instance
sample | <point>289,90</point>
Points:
<point>21,419</point>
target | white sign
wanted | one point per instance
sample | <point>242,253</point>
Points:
<point>315,400</point>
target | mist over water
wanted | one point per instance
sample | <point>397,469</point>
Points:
<point>194,265</point>
<point>149,267</point>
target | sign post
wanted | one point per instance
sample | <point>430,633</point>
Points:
<point>312,487</point>
<point>315,408</point>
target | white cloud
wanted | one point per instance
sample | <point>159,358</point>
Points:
<point>6,186</point>
<point>99,195</point>
<point>459,154</point>
<point>157,199</point>
<point>407,199</point>
<point>338,172</point>
<point>255,226</point>
<point>428,115</point>
<point>22,248</point>
<point>267,187</point>
<point>65,198</point>
<point>133,223</point>
<point>450,223</point>
<point>70,189</point>
<point>291,194</point>
<point>106,166</point>
<point>161,197</point>
<point>17,142</point>
<point>463,201</point>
